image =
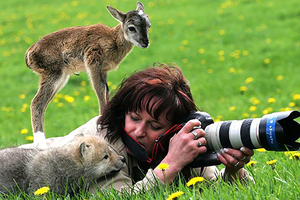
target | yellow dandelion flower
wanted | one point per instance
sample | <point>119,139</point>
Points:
<point>163,166</point>
<point>181,48</point>
<point>221,32</point>
<point>28,40</point>
<point>86,98</point>
<point>245,53</point>
<point>271,100</point>
<point>60,104</point>
<point>24,131</point>
<point>252,108</point>
<point>185,60</point>
<point>288,153</point>
<point>74,3</point>
<point>55,100</point>
<point>241,17</point>
<point>232,70</point>
<point>151,4</point>
<point>22,96</point>
<point>261,150</point>
<point>175,195</point>
<point>292,104</point>
<point>194,180</point>
<point>201,51</point>
<point>243,88</point>
<point>221,53</point>
<point>185,42</point>
<point>69,99</point>
<point>42,191</point>
<point>210,71</point>
<point>189,22</point>
<point>245,115</point>
<point>296,97</point>
<point>254,115</point>
<point>83,83</point>
<point>58,96</point>
<point>232,108</point>
<point>114,87</point>
<point>265,111</point>
<point>271,162</point>
<point>295,156</point>
<point>29,138</point>
<point>219,117</point>
<point>285,109</point>
<point>254,101</point>
<point>76,93</point>
<point>267,61</point>
<point>279,77</point>
<point>251,163</point>
<point>249,80</point>
<point>268,40</point>
<point>221,58</point>
<point>171,21</point>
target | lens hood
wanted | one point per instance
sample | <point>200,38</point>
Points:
<point>279,131</point>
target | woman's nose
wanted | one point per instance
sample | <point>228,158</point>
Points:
<point>140,131</point>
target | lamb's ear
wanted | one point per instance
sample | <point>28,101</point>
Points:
<point>82,149</point>
<point>118,15</point>
<point>139,6</point>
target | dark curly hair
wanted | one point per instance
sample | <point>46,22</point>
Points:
<point>164,84</point>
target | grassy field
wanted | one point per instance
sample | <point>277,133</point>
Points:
<point>241,57</point>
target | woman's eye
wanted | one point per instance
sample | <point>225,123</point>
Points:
<point>134,118</point>
<point>156,128</point>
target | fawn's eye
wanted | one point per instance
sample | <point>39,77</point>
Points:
<point>132,29</point>
<point>105,157</point>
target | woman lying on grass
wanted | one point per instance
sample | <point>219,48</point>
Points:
<point>143,111</point>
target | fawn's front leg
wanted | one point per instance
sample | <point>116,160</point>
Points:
<point>99,83</point>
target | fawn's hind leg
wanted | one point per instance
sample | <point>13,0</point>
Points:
<point>49,85</point>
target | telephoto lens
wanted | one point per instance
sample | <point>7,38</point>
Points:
<point>275,132</point>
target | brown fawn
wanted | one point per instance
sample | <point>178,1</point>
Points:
<point>95,49</point>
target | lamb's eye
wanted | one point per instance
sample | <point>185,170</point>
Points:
<point>132,29</point>
<point>105,157</point>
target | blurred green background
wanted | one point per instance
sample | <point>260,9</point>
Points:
<point>241,57</point>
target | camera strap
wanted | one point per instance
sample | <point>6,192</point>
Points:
<point>161,144</point>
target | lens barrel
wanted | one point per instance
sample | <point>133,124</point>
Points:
<point>275,132</point>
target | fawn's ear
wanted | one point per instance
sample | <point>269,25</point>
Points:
<point>118,15</point>
<point>139,7</point>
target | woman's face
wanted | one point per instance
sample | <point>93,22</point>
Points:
<point>145,129</point>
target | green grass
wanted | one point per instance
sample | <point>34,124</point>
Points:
<point>218,44</point>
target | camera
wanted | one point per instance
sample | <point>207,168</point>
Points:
<point>275,132</point>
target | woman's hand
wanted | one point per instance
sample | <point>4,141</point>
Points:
<point>184,147</point>
<point>187,144</point>
<point>235,160</point>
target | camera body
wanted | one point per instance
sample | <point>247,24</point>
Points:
<point>275,132</point>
